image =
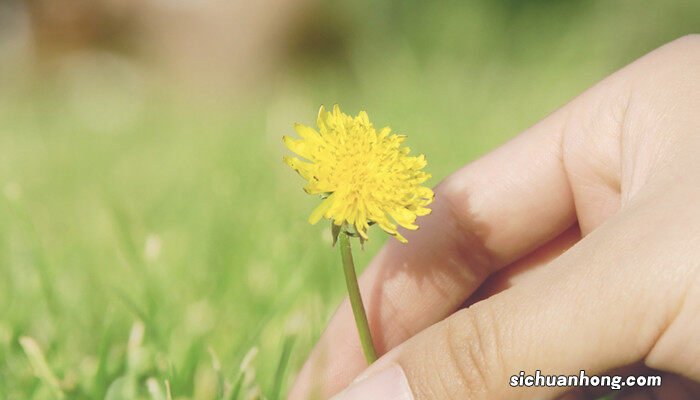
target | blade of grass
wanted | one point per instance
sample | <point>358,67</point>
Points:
<point>220,378</point>
<point>236,391</point>
<point>41,367</point>
<point>240,379</point>
<point>41,260</point>
<point>278,381</point>
<point>168,392</point>
<point>136,262</point>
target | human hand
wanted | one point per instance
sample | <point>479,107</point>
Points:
<point>581,238</point>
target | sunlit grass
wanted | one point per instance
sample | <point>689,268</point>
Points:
<point>157,255</point>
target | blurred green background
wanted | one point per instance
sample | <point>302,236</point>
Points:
<point>149,232</point>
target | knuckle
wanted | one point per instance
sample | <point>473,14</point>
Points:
<point>471,351</point>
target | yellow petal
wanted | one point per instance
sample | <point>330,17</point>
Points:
<point>386,225</point>
<point>363,117</point>
<point>300,147</point>
<point>421,211</point>
<point>426,193</point>
<point>400,238</point>
<point>317,214</point>
<point>384,132</point>
<point>361,230</point>
<point>321,119</point>
<point>307,133</point>
<point>303,168</point>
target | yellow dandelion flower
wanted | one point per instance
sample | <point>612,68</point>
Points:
<point>365,176</point>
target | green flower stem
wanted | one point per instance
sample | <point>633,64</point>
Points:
<point>358,309</point>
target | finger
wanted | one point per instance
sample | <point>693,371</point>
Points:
<point>475,228</point>
<point>526,268</point>
<point>599,309</point>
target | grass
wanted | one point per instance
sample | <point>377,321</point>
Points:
<point>166,254</point>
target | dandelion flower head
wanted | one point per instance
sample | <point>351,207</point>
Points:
<point>365,176</point>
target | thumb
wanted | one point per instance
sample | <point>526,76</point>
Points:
<point>595,309</point>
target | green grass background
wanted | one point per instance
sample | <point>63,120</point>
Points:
<point>183,224</point>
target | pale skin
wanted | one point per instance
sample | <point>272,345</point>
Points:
<point>574,246</point>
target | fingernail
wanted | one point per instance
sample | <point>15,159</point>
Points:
<point>387,384</point>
